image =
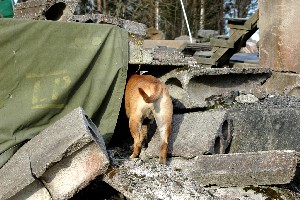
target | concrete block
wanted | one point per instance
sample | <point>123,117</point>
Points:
<point>278,28</point>
<point>265,127</point>
<point>75,172</point>
<point>57,142</point>
<point>192,87</point>
<point>256,168</point>
<point>195,134</point>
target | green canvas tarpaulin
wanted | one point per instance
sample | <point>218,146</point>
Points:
<point>47,69</point>
<point>6,9</point>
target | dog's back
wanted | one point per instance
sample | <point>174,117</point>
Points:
<point>146,95</point>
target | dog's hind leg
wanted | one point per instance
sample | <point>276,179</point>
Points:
<point>164,128</point>
<point>135,126</point>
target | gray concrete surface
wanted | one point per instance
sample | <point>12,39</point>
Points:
<point>257,168</point>
<point>194,134</point>
<point>144,181</point>
<point>57,142</point>
<point>272,124</point>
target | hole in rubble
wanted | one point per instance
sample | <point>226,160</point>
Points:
<point>218,146</point>
<point>55,12</point>
<point>225,130</point>
<point>174,81</point>
<point>98,190</point>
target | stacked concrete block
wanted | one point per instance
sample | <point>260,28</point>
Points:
<point>64,158</point>
<point>193,87</point>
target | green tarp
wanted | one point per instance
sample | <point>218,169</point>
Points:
<point>6,9</point>
<point>47,69</point>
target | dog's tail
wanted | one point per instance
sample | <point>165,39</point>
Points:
<point>154,96</point>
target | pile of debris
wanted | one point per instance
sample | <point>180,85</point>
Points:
<point>230,138</point>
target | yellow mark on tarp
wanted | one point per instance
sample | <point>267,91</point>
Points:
<point>48,88</point>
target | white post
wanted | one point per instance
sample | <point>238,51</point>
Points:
<point>186,21</point>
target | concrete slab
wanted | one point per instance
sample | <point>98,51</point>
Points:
<point>195,134</point>
<point>193,87</point>
<point>130,26</point>
<point>62,139</point>
<point>143,181</point>
<point>278,28</point>
<point>256,168</point>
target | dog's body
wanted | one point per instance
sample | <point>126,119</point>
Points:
<point>147,97</point>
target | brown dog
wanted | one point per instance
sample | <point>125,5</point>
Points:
<point>147,97</point>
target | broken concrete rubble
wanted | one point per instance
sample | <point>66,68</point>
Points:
<point>57,155</point>
<point>149,180</point>
<point>244,169</point>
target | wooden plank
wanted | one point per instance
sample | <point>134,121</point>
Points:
<point>221,43</point>
<point>206,61</point>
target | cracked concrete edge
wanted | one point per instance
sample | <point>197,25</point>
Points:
<point>39,154</point>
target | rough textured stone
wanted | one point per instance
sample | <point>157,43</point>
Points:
<point>195,134</point>
<point>279,27</point>
<point>192,87</point>
<point>61,10</point>
<point>260,128</point>
<point>257,168</point>
<point>143,181</point>
<point>55,143</point>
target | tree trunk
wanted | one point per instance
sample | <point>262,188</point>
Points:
<point>99,6</point>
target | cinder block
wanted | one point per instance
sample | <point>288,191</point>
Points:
<point>75,172</point>
<point>56,143</point>
<point>193,87</point>
<point>195,134</point>
<point>241,169</point>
